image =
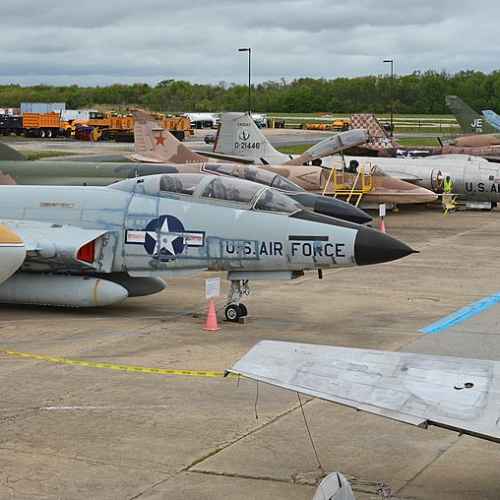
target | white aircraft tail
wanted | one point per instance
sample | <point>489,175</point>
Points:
<point>239,136</point>
<point>155,144</point>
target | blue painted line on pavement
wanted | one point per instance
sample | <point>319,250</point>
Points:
<point>462,314</point>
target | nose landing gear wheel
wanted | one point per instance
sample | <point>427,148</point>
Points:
<point>232,312</point>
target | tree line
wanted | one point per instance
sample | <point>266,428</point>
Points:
<point>419,92</point>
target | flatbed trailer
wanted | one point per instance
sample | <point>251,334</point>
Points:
<point>45,125</point>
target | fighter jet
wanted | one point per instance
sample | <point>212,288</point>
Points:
<point>154,144</point>
<point>311,178</point>
<point>239,137</point>
<point>458,394</point>
<point>492,118</point>
<point>94,246</point>
<point>469,120</point>
<point>71,173</point>
<point>474,179</point>
<point>381,144</point>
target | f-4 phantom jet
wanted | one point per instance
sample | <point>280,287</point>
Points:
<point>93,246</point>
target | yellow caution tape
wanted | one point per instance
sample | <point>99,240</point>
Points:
<point>113,366</point>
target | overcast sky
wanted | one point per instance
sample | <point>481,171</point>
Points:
<point>106,41</point>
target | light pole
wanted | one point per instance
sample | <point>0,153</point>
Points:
<point>391,61</point>
<point>249,50</point>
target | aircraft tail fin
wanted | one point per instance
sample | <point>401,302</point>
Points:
<point>379,139</point>
<point>10,154</point>
<point>469,120</point>
<point>155,144</point>
<point>492,118</point>
<point>239,136</point>
<point>331,145</point>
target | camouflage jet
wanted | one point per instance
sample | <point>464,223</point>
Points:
<point>469,120</point>
<point>154,144</point>
<point>482,137</point>
<point>96,246</point>
<point>381,144</point>
<point>312,178</point>
<point>70,173</point>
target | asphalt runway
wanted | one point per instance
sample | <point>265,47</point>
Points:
<point>79,432</point>
<point>278,137</point>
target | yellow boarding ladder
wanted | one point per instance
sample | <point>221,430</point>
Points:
<point>339,187</point>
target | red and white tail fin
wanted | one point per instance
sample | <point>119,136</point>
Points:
<point>379,138</point>
<point>155,144</point>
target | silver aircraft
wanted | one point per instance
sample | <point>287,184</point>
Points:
<point>92,246</point>
<point>473,178</point>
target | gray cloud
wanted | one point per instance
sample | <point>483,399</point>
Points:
<point>107,41</point>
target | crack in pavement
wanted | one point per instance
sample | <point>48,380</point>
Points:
<point>218,449</point>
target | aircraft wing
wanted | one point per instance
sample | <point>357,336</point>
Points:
<point>62,247</point>
<point>225,157</point>
<point>455,393</point>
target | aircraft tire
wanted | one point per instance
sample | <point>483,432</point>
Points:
<point>243,310</point>
<point>232,313</point>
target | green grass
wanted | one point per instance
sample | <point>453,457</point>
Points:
<point>294,150</point>
<point>38,155</point>
<point>419,142</point>
<point>383,116</point>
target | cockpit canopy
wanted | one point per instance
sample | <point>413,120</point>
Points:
<point>254,174</point>
<point>212,188</point>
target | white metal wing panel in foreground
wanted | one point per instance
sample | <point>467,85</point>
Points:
<point>456,393</point>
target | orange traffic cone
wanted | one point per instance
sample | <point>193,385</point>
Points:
<point>211,323</point>
<point>382,225</point>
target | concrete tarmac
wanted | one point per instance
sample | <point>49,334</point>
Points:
<point>73,432</point>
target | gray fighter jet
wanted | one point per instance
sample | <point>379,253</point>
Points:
<point>458,394</point>
<point>92,246</point>
<point>473,178</point>
<point>70,173</point>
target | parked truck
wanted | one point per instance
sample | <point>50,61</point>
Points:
<point>120,128</point>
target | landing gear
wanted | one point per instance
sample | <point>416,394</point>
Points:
<point>234,310</point>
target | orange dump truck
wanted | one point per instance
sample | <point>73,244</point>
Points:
<point>42,124</point>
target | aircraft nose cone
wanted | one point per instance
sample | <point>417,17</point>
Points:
<point>373,247</point>
<point>332,207</point>
<point>342,210</point>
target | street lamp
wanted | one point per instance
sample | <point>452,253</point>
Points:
<point>249,50</point>
<point>391,61</point>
